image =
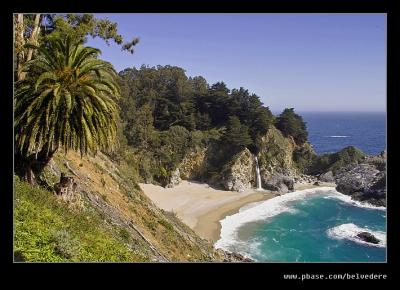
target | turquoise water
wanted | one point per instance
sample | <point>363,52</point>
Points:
<point>300,230</point>
<point>316,226</point>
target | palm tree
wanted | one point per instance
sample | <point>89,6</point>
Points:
<point>68,100</point>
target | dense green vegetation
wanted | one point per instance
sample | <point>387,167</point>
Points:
<point>292,124</point>
<point>165,114</point>
<point>47,230</point>
<point>333,162</point>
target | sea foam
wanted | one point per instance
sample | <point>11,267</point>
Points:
<point>347,199</point>
<point>350,231</point>
<point>261,211</point>
<point>338,136</point>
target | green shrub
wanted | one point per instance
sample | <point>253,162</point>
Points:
<point>46,230</point>
<point>124,234</point>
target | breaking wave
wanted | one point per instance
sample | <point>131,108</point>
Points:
<point>350,231</point>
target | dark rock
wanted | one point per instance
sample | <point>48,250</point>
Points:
<point>316,183</point>
<point>365,181</point>
<point>368,237</point>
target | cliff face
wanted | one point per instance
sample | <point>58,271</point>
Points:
<point>105,188</point>
<point>364,181</point>
<point>278,167</point>
<point>194,164</point>
<point>238,174</point>
<point>279,171</point>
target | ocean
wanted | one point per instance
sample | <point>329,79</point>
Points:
<point>331,132</point>
<point>315,225</point>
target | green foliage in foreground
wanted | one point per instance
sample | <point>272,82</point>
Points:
<point>46,230</point>
<point>335,161</point>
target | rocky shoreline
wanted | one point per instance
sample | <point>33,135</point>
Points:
<point>365,181</point>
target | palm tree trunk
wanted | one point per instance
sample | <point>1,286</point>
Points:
<point>33,165</point>
<point>33,39</point>
<point>19,43</point>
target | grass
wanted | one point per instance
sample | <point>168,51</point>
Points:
<point>45,230</point>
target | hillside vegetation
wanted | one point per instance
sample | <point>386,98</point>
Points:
<point>111,220</point>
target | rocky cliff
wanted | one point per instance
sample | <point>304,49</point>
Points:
<point>278,156</point>
<point>364,181</point>
<point>279,168</point>
<point>238,174</point>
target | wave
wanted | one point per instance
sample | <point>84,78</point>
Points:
<point>338,136</point>
<point>347,199</point>
<point>350,231</point>
<point>260,211</point>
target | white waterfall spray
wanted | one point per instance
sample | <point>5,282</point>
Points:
<point>259,187</point>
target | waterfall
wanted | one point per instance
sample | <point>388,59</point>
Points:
<point>259,187</point>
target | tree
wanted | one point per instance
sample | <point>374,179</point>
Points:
<point>68,100</point>
<point>34,29</point>
<point>292,124</point>
<point>22,38</point>
<point>237,134</point>
<point>219,100</point>
<point>139,130</point>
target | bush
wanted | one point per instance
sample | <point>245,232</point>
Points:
<point>65,245</point>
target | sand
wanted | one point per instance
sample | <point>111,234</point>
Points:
<point>201,207</point>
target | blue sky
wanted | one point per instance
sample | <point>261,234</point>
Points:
<point>312,62</point>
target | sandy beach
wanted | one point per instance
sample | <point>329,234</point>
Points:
<point>201,207</point>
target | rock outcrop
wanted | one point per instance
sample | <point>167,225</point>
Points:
<point>367,237</point>
<point>278,170</point>
<point>233,257</point>
<point>278,182</point>
<point>365,181</point>
<point>194,164</point>
<point>327,177</point>
<point>175,178</point>
<point>238,175</point>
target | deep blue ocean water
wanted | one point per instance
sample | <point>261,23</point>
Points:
<point>318,226</point>
<point>331,132</point>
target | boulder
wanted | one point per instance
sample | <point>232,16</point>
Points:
<point>278,182</point>
<point>175,178</point>
<point>327,177</point>
<point>367,237</point>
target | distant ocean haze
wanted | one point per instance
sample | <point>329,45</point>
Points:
<point>330,132</point>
